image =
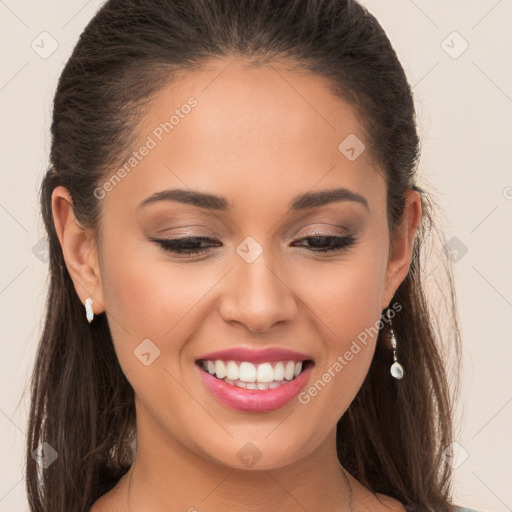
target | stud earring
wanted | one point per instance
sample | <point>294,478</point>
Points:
<point>88,309</point>
<point>396,370</point>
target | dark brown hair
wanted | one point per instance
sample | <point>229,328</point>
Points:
<point>393,434</point>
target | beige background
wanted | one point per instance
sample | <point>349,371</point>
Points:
<point>464,101</point>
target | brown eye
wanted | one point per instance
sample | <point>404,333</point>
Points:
<point>188,245</point>
<point>323,243</point>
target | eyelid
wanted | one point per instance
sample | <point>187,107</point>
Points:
<point>316,231</point>
<point>190,232</point>
<point>187,227</point>
<point>319,232</point>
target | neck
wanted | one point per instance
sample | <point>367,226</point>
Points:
<point>167,474</point>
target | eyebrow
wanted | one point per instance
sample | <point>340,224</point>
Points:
<point>213,202</point>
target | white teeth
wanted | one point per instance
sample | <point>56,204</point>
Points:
<point>265,373</point>
<point>247,372</point>
<point>220,369</point>
<point>232,370</point>
<point>279,371</point>
<point>289,370</point>
<point>250,376</point>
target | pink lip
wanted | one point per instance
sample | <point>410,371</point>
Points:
<point>254,400</point>
<point>256,355</point>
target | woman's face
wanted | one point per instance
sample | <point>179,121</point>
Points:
<point>249,149</point>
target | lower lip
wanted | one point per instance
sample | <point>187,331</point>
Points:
<point>255,400</point>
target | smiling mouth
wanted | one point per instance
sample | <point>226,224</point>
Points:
<point>246,375</point>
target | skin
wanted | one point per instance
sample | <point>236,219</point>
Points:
<point>258,137</point>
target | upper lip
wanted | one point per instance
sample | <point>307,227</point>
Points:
<point>256,355</point>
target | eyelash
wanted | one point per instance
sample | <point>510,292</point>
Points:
<point>341,243</point>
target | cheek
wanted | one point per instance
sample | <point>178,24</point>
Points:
<point>156,302</point>
<point>345,295</point>
<point>349,324</point>
<point>148,297</point>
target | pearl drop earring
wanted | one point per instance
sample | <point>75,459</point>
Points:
<point>88,309</point>
<point>396,370</point>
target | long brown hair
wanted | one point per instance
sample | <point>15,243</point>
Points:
<point>393,435</point>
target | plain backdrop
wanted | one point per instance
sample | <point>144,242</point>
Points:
<point>457,56</point>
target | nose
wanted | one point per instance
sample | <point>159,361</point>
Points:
<point>257,296</point>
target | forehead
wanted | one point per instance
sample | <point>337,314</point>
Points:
<point>256,107</point>
<point>246,132</point>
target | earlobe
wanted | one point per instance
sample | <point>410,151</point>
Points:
<point>402,243</point>
<point>78,248</point>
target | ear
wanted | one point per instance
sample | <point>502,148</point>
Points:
<point>79,250</point>
<point>402,242</point>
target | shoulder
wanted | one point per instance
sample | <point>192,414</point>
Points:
<point>389,504</point>
<point>366,501</point>
<point>102,505</point>
<point>113,499</point>
<point>109,502</point>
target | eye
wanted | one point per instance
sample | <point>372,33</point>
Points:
<point>329,243</point>
<point>196,245</point>
<point>188,245</point>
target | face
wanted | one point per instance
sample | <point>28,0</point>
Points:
<point>278,266</point>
